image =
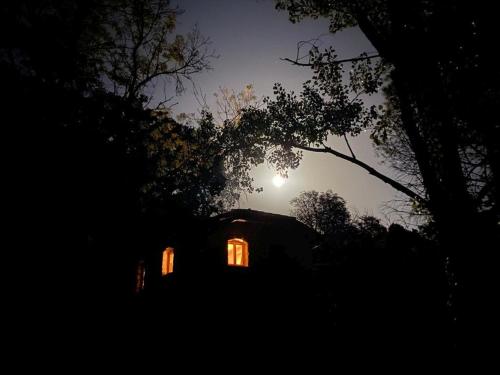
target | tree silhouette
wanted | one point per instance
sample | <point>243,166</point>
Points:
<point>324,212</point>
<point>140,48</point>
<point>442,75</point>
<point>291,124</point>
<point>98,155</point>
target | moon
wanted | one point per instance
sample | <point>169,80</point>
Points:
<point>278,181</point>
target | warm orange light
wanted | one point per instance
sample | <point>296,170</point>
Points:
<point>237,252</point>
<point>167,264</point>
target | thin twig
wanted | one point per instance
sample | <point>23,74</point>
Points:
<point>354,59</point>
<point>348,145</point>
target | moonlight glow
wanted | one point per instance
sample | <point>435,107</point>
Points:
<point>278,181</point>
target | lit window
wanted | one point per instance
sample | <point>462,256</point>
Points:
<point>167,264</point>
<point>139,276</point>
<point>237,252</point>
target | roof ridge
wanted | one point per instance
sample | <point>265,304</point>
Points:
<point>250,210</point>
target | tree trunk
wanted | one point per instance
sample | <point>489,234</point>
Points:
<point>466,239</point>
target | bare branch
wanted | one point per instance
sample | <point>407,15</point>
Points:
<point>395,184</point>
<point>354,59</point>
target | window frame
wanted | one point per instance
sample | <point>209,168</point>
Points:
<point>244,256</point>
<point>140,276</point>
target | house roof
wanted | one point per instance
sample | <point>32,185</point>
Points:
<point>249,215</point>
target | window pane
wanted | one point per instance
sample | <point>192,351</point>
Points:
<point>239,254</point>
<point>230,253</point>
<point>171,262</point>
<point>167,264</point>
<point>164,263</point>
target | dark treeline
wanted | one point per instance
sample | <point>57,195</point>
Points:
<point>376,289</point>
<point>384,291</point>
<point>86,150</point>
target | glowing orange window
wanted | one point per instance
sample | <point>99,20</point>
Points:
<point>167,264</point>
<point>237,252</point>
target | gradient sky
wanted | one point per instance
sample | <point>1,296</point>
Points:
<point>250,37</point>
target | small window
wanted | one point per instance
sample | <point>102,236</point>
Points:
<point>140,276</point>
<point>167,265</point>
<point>237,252</point>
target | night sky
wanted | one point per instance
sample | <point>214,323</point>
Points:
<point>250,37</point>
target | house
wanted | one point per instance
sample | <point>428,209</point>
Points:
<point>240,244</point>
<point>243,269</point>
